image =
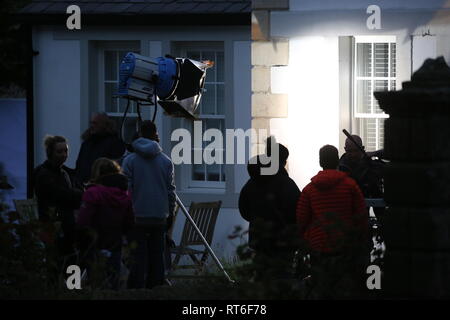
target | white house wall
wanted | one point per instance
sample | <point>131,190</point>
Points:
<point>241,101</point>
<point>301,5</point>
<point>422,48</point>
<point>62,106</point>
<point>313,105</point>
<point>311,79</point>
<point>56,92</point>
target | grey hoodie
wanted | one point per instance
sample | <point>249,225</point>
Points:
<point>151,180</point>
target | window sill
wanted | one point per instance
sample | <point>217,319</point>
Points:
<point>208,190</point>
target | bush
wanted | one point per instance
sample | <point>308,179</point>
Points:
<point>27,265</point>
<point>29,269</point>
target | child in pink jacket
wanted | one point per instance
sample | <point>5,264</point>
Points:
<point>107,210</point>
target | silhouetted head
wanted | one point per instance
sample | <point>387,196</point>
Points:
<point>148,130</point>
<point>103,167</point>
<point>353,153</point>
<point>283,152</point>
<point>56,149</point>
<point>328,157</point>
<point>254,166</point>
<point>100,124</point>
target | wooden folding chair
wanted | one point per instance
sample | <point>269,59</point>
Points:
<point>204,215</point>
<point>27,209</point>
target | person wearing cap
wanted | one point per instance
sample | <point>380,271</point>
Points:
<point>364,170</point>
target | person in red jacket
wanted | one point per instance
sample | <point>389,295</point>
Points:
<point>333,222</point>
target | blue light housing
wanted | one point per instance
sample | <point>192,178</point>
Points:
<point>167,78</point>
<point>177,82</point>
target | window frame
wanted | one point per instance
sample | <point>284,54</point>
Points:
<point>126,45</point>
<point>355,115</point>
<point>181,48</point>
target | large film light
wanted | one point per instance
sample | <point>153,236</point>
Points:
<point>177,82</point>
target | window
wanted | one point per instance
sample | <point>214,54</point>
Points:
<point>111,55</point>
<point>211,111</point>
<point>374,70</point>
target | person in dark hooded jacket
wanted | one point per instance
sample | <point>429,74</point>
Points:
<point>100,140</point>
<point>107,210</point>
<point>268,202</point>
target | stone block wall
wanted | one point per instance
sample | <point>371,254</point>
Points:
<point>267,53</point>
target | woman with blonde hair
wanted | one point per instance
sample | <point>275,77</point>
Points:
<point>107,209</point>
<point>56,188</point>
